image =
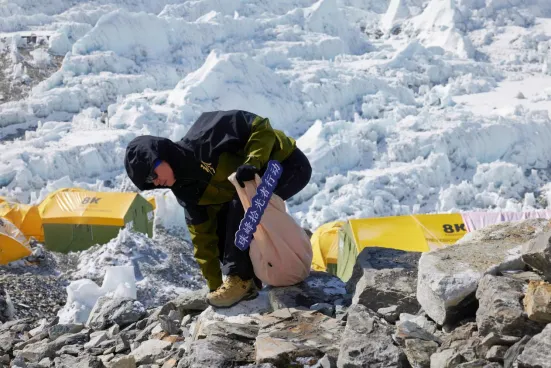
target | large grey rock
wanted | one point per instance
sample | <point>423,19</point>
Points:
<point>537,254</point>
<point>191,301</point>
<point>7,310</point>
<point>288,334</point>
<point>63,329</point>
<point>510,358</point>
<point>44,349</point>
<point>415,327</point>
<point>537,351</point>
<point>84,361</point>
<point>36,352</point>
<point>448,277</point>
<point>459,335</point>
<point>232,331</point>
<point>319,287</point>
<point>496,339</point>
<point>367,342</point>
<point>127,361</point>
<point>121,311</point>
<point>447,358</point>
<point>500,308</point>
<point>149,351</point>
<point>222,344</point>
<point>216,351</point>
<point>70,339</point>
<point>537,301</point>
<point>18,325</point>
<point>7,341</point>
<point>385,277</point>
<point>496,353</point>
<point>418,352</point>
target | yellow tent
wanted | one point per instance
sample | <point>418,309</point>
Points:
<point>75,220</point>
<point>326,249</point>
<point>336,245</point>
<point>25,217</point>
<point>152,201</point>
<point>13,244</point>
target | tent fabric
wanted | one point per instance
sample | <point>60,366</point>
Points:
<point>90,208</point>
<point>412,233</point>
<point>23,216</point>
<point>326,251</point>
<point>13,244</point>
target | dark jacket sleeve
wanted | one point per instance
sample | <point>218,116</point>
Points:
<point>234,131</point>
<point>202,225</point>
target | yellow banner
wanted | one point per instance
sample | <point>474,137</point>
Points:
<point>442,229</point>
<point>400,232</point>
<point>413,233</point>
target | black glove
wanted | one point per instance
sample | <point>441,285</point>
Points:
<point>245,173</point>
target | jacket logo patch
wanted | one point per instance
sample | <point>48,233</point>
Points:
<point>207,167</point>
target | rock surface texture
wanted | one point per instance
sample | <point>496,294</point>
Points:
<point>483,306</point>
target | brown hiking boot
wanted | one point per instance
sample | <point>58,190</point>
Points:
<point>232,291</point>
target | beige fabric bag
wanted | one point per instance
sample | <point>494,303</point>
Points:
<point>280,251</point>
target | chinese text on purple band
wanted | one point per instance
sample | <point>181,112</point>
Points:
<point>260,201</point>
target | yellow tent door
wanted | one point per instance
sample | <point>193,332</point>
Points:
<point>13,245</point>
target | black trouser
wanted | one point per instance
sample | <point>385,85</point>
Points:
<point>295,176</point>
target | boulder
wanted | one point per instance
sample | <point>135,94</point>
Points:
<point>223,344</point>
<point>500,308</point>
<point>216,351</point>
<point>415,327</point>
<point>7,310</point>
<point>496,339</point>
<point>496,353</point>
<point>510,358</point>
<point>36,352</point>
<point>448,277</point>
<point>190,302</point>
<point>537,253</point>
<point>537,351</point>
<point>447,358</point>
<point>83,361</point>
<point>537,302</point>
<point>233,331</point>
<point>418,352</point>
<point>290,334</point>
<point>319,287</point>
<point>63,329</point>
<point>150,351</point>
<point>459,335</point>
<point>384,278</point>
<point>7,341</point>
<point>121,311</point>
<point>367,342</point>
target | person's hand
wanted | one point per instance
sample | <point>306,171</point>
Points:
<point>245,173</point>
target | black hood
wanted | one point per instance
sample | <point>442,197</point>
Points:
<point>142,152</point>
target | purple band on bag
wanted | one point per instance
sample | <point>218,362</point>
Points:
<point>247,227</point>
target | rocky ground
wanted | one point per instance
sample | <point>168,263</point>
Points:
<point>485,302</point>
<point>164,267</point>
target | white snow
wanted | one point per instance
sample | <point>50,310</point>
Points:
<point>82,295</point>
<point>421,118</point>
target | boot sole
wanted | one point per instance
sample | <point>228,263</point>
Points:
<point>250,296</point>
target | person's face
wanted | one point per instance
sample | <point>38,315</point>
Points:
<point>163,175</point>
